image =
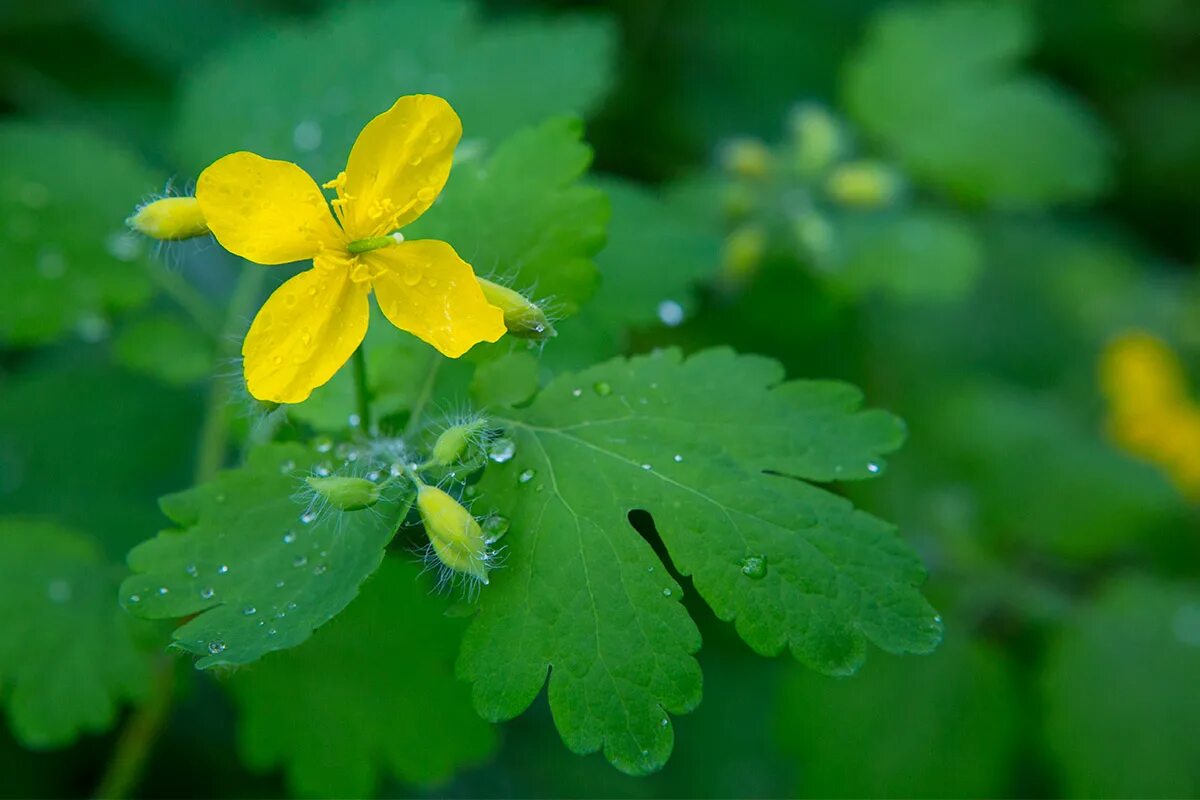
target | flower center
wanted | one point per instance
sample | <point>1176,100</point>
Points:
<point>372,243</point>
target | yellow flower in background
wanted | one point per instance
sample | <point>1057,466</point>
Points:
<point>272,212</point>
<point>1151,414</point>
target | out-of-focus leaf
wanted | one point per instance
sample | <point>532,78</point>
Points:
<point>165,347</point>
<point>303,92</point>
<point>940,87</point>
<point>505,381</point>
<point>372,693</point>
<point>254,563</point>
<point>68,260</point>
<point>67,657</point>
<point>947,725</point>
<point>703,445</point>
<point>1122,699</point>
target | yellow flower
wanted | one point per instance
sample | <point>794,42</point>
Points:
<point>272,212</point>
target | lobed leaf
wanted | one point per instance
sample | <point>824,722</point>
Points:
<point>257,566</point>
<point>718,450</point>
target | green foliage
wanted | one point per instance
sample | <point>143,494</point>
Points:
<point>165,347</point>
<point>1123,704</point>
<point>939,86</point>
<point>67,655</point>
<point>258,563</point>
<point>371,693</point>
<point>68,260</point>
<point>794,565</point>
<point>303,92</point>
<point>522,218</point>
<point>506,381</point>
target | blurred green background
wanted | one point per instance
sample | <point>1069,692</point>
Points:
<point>1028,192</point>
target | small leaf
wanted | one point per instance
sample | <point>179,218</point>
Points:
<point>258,566</point>
<point>704,445</point>
<point>67,657</point>
<point>68,259</point>
<point>1123,702</point>
<point>940,86</point>
<point>546,250</point>
<point>372,693</point>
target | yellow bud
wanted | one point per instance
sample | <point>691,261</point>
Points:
<point>747,158</point>
<point>452,443</point>
<point>864,184</point>
<point>170,218</point>
<point>348,494</point>
<point>817,137</point>
<point>522,316</point>
<point>456,537</point>
<point>744,249</point>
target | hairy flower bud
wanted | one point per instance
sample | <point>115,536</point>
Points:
<point>456,537</point>
<point>170,218</point>
<point>522,316</point>
<point>348,494</point>
<point>817,138</point>
<point>452,443</point>
<point>863,184</point>
<point>743,252</point>
<point>747,158</point>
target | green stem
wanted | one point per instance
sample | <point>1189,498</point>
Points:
<point>431,371</point>
<point>362,390</point>
<point>143,726</point>
<point>186,296</point>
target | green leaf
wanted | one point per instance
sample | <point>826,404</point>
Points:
<point>505,381</point>
<point>69,262</point>
<point>521,217</point>
<point>912,255</point>
<point>67,657</point>
<point>940,87</point>
<point>717,449</point>
<point>259,563</point>
<point>943,726</point>
<point>165,347</point>
<point>372,693</point>
<point>303,92</point>
<point>1123,703</point>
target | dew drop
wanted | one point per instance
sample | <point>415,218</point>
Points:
<point>494,528</point>
<point>667,592</point>
<point>280,584</point>
<point>249,611</point>
<point>221,570</point>
<point>754,567</point>
<point>291,606</point>
<point>526,476</point>
<point>646,467</point>
<point>872,467</point>
<point>320,569</point>
<point>355,421</point>
<point>271,631</point>
<point>299,561</point>
<point>670,313</point>
<point>677,458</point>
<point>308,517</point>
<point>665,722</point>
<point>163,590</point>
<point>287,466</point>
<point>602,388</point>
<point>502,450</point>
<point>323,444</point>
<point>216,646</point>
<point>289,537</point>
<point>307,136</point>
<point>207,593</point>
<point>192,569</point>
<point>135,598</point>
<point>576,392</point>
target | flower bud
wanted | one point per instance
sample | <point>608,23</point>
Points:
<point>452,443</point>
<point>743,252</point>
<point>170,218</point>
<point>817,137</point>
<point>456,537</point>
<point>747,158</point>
<point>348,494</point>
<point>863,184</point>
<point>522,316</point>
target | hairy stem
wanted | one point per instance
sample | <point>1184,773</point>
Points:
<point>362,391</point>
<point>431,371</point>
<point>143,726</point>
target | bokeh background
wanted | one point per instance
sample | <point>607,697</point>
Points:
<point>985,214</point>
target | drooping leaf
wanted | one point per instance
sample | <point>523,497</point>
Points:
<point>521,216</point>
<point>943,726</point>
<point>1122,699</point>
<point>303,92</point>
<point>372,693</point>
<point>68,261</point>
<point>67,657</point>
<point>258,563</point>
<point>719,452</point>
<point>939,85</point>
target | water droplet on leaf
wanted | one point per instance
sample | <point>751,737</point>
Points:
<point>754,567</point>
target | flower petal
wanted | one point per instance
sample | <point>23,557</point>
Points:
<point>399,164</point>
<point>305,331</point>
<point>423,287</point>
<point>269,212</point>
